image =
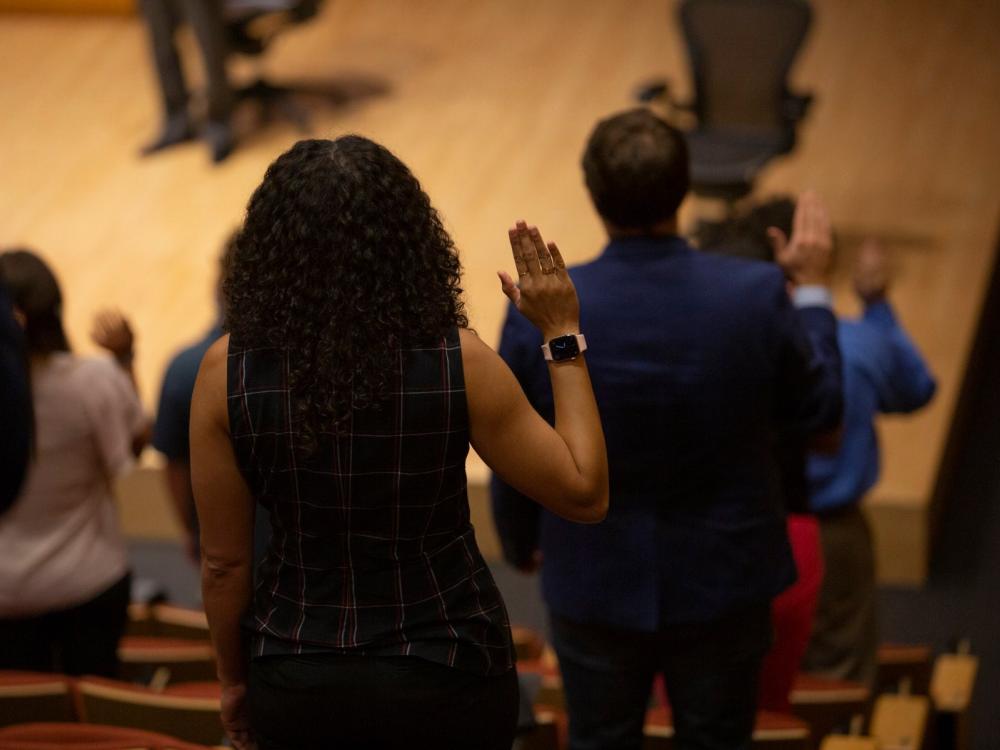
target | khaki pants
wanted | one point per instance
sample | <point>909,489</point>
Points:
<point>844,640</point>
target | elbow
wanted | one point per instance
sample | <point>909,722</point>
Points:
<point>591,505</point>
<point>218,571</point>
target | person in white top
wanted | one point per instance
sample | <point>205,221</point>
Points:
<point>64,573</point>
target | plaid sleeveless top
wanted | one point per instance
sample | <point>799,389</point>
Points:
<point>372,551</point>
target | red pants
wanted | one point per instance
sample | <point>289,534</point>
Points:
<point>792,616</point>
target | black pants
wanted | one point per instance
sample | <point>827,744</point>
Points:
<point>331,701</point>
<point>205,17</point>
<point>711,671</point>
<point>79,640</point>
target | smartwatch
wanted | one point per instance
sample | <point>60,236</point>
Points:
<point>564,348</point>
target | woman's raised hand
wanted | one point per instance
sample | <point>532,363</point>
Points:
<point>544,292</point>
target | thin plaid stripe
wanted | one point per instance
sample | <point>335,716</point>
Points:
<point>372,552</point>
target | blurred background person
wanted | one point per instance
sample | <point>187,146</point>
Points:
<point>345,399</point>
<point>757,233</point>
<point>64,574</point>
<point>884,373</point>
<point>205,17</point>
<point>171,430</point>
<point>15,404</point>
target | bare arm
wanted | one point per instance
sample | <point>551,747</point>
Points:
<point>226,511</point>
<point>564,468</point>
<point>112,332</point>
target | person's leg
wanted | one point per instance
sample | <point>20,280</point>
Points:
<point>328,700</point>
<point>712,673</point>
<point>792,615</point>
<point>207,21</point>
<point>844,637</point>
<point>607,676</point>
<point>90,632</point>
<point>26,644</point>
<point>161,21</point>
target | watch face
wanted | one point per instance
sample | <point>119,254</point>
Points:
<point>564,347</point>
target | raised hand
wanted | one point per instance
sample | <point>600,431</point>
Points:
<point>544,292</point>
<point>871,274</point>
<point>805,257</point>
<point>112,331</point>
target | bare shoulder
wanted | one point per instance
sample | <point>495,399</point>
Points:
<point>214,363</point>
<point>210,388</point>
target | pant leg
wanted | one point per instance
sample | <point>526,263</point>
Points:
<point>89,634</point>
<point>844,641</point>
<point>206,19</point>
<point>161,22</point>
<point>26,644</point>
<point>607,676</point>
<point>792,615</point>
<point>329,700</point>
<point>712,674</point>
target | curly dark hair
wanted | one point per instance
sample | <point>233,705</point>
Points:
<point>341,261</point>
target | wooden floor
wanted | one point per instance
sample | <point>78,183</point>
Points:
<point>490,102</point>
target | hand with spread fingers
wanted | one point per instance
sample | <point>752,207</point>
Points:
<point>805,257</point>
<point>544,292</point>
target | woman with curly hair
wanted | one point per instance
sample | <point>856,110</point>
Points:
<point>344,400</point>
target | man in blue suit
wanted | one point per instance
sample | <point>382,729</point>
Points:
<point>698,363</point>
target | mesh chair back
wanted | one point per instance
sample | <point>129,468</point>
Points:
<point>740,53</point>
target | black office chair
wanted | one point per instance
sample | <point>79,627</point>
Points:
<point>740,52</point>
<point>252,26</point>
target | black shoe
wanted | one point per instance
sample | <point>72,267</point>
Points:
<point>176,129</point>
<point>220,140</point>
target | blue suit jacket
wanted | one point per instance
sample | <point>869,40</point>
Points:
<point>698,361</point>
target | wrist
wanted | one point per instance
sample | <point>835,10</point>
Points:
<point>554,332</point>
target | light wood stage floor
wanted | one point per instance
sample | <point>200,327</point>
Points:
<point>490,102</point>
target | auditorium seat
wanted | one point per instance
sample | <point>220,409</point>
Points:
<point>32,696</point>
<point>60,736</point>
<point>898,662</point>
<point>527,643</point>
<point>550,686</point>
<point>189,712</point>
<point>171,621</point>
<point>177,659</point>
<point>900,721</point>
<point>952,685</point>
<point>772,731</point>
<point>844,742</point>
<point>548,733</point>
<point>827,705</point>
<point>140,620</point>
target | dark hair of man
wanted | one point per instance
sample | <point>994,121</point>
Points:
<point>745,234</point>
<point>636,169</point>
<point>341,261</point>
<point>35,292</point>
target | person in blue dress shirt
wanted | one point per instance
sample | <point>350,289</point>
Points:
<point>170,433</point>
<point>698,362</point>
<point>883,373</point>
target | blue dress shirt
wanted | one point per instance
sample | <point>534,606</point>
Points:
<point>883,373</point>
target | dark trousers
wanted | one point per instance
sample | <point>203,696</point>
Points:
<point>711,671</point>
<point>79,640</point>
<point>164,17</point>
<point>844,643</point>
<point>368,702</point>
